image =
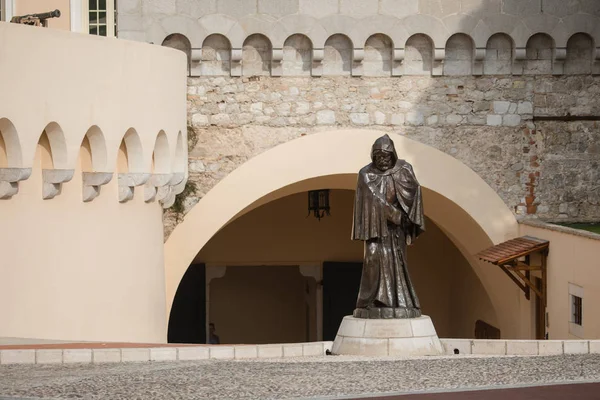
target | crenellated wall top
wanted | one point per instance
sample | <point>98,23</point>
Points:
<point>153,20</point>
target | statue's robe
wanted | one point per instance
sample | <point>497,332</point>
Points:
<point>383,197</point>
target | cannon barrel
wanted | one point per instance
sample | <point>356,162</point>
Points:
<point>46,15</point>
<point>40,16</point>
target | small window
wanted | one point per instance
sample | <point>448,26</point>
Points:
<point>576,310</point>
<point>102,17</point>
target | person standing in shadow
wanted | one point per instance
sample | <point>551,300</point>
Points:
<point>212,336</point>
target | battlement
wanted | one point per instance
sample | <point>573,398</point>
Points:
<point>373,37</point>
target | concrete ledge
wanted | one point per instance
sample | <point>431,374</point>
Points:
<point>491,347</point>
<point>17,357</point>
<point>192,353</point>
<point>462,345</point>
<point>576,346</point>
<point>550,347</point>
<point>163,354</point>
<point>270,351</point>
<point>222,352</point>
<point>245,352</point>
<point>135,355</point>
<point>313,349</point>
<point>49,356</point>
<point>522,347</point>
<point>395,346</point>
<point>77,356</point>
<point>292,350</point>
<point>106,355</point>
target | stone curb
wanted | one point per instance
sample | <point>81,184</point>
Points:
<point>519,347</point>
<point>158,354</point>
<point>287,350</point>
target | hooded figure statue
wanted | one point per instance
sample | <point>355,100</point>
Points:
<point>388,216</point>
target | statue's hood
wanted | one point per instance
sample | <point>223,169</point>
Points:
<point>384,143</point>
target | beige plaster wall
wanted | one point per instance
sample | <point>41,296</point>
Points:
<point>23,7</point>
<point>81,271</point>
<point>69,269</point>
<point>279,232</point>
<point>573,258</point>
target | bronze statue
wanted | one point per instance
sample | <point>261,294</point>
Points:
<point>388,216</point>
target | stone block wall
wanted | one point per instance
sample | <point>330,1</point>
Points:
<point>541,169</point>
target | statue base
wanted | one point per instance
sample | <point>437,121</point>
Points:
<point>386,313</point>
<point>387,337</point>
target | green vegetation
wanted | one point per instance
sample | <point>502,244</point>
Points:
<point>190,187</point>
<point>590,227</point>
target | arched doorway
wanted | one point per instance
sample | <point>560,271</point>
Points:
<point>468,212</point>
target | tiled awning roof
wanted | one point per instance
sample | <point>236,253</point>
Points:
<point>510,250</point>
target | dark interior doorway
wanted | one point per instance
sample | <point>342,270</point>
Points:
<point>187,321</point>
<point>341,282</point>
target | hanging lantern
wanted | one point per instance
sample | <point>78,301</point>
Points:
<point>318,203</point>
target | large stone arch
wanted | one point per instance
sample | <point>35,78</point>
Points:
<point>459,201</point>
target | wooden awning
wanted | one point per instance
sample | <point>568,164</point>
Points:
<point>513,249</point>
<point>513,257</point>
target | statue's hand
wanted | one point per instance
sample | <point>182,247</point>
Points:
<point>395,215</point>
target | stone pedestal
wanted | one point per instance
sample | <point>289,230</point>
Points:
<point>387,337</point>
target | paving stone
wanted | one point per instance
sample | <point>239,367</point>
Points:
<point>297,377</point>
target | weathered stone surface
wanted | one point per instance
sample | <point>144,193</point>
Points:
<point>546,169</point>
<point>326,117</point>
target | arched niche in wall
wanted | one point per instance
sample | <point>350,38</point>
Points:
<point>53,147</point>
<point>10,146</point>
<point>158,184</point>
<point>539,54</point>
<point>418,55</point>
<point>130,157</point>
<point>180,42</point>
<point>93,163</point>
<point>179,160</point>
<point>11,171</point>
<point>216,55</point>
<point>580,50</point>
<point>51,157</point>
<point>92,155</point>
<point>297,56</point>
<point>161,156</point>
<point>130,165</point>
<point>498,55</point>
<point>256,55</point>
<point>459,55</point>
<point>338,56</point>
<point>378,56</point>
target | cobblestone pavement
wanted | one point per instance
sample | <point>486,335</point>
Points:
<point>287,378</point>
